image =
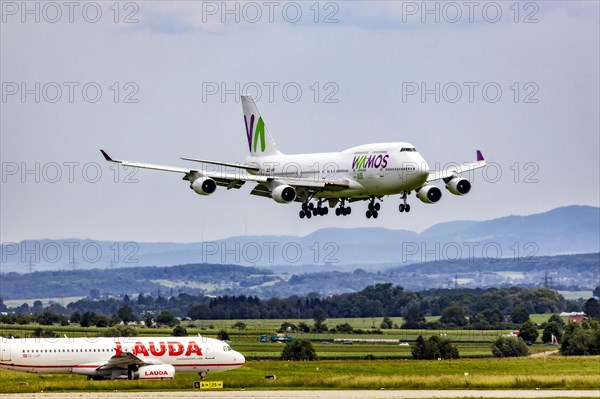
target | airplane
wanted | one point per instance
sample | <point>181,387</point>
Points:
<point>132,358</point>
<point>363,173</point>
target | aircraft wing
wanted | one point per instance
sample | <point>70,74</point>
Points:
<point>123,360</point>
<point>458,169</point>
<point>236,180</point>
<point>229,180</point>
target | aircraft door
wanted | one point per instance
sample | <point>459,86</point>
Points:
<point>4,350</point>
<point>209,350</point>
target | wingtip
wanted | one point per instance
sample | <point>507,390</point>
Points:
<point>105,155</point>
<point>479,156</point>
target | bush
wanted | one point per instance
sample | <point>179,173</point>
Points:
<point>581,340</point>
<point>120,331</point>
<point>592,308</point>
<point>223,335</point>
<point>435,347</point>
<point>344,328</point>
<point>386,323</point>
<point>166,317</point>
<point>558,320</point>
<point>509,347</point>
<point>529,332</point>
<point>519,314</point>
<point>101,321</point>
<point>179,332</point>
<point>41,333</point>
<point>301,349</point>
<point>287,327</point>
<point>551,329</point>
<point>454,315</point>
<point>413,318</point>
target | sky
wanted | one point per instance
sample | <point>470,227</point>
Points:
<point>154,81</point>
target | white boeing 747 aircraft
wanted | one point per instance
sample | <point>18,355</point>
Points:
<point>131,358</point>
<point>367,172</point>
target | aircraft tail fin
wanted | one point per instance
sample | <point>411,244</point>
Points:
<point>260,141</point>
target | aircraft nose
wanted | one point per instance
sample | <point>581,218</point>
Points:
<point>239,358</point>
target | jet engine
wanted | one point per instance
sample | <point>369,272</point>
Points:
<point>458,186</point>
<point>429,194</point>
<point>152,372</point>
<point>283,194</point>
<point>204,186</point>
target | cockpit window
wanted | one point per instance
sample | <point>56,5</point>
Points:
<point>226,348</point>
<point>408,149</point>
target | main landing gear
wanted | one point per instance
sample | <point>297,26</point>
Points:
<point>373,209</point>
<point>309,209</point>
<point>404,207</point>
<point>343,210</point>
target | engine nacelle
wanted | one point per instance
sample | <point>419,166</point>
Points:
<point>429,194</point>
<point>459,186</point>
<point>283,194</point>
<point>204,186</point>
<point>152,372</point>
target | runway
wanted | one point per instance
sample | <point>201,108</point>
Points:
<point>321,394</point>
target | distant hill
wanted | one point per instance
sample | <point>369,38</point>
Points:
<point>566,230</point>
<point>564,272</point>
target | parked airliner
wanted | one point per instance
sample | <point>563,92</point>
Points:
<point>132,358</point>
<point>367,172</point>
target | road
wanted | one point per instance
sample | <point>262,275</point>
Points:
<point>382,394</point>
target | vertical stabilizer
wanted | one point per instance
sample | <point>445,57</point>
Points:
<point>260,141</point>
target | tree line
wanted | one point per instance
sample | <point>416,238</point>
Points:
<point>476,308</point>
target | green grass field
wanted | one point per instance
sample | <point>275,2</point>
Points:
<point>340,366</point>
<point>555,372</point>
<point>471,343</point>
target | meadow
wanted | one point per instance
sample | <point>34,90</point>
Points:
<point>361,365</point>
<point>470,343</point>
<point>553,372</point>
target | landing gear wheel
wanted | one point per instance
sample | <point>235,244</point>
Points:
<point>308,215</point>
<point>337,211</point>
<point>311,206</point>
<point>371,207</point>
<point>375,214</point>
<point>302,214</point>
<point>325,211</point>
<point>348,211</point>
<point>368,214</point>
<point>404,207</point>
<point>202,374</point>
<point>377,206</point>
